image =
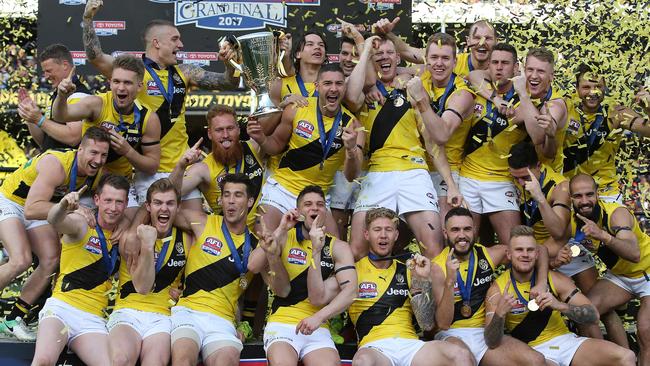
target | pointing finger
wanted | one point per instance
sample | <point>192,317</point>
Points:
<point>506,288</point>
<point>198,144</point>
<point>584,219</point>
<point>72,71</point>
<point>82,190</point>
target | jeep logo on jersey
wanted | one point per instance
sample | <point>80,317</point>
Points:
<point>212,246</point>
<point>367,290</point>
<point>395,292</point>
<point>93,245</point>
<point>304,129</point>
<point>235,14</point>
<point>481,281</point>
<point>175,263</point>
<point>297,256</point>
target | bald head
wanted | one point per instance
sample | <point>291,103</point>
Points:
<point>580,179</point>
<point>153,29</point>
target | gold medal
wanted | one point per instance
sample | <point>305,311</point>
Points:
<point>243,282</point>
<point>532,305</point>
<point>466,310</point>
<point>575,250</point>
<point>398,102</point>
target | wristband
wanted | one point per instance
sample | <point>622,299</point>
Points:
<point>41,121</point>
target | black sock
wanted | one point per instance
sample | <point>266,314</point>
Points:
<point>20,309</point>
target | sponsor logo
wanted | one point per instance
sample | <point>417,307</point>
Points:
<point>478,109</point>
<point>93,245</point>
<point>195,58</point>
<point>297,256</point>
<point>212,246</point>
<point>518,308</point>
<point>72,2</point>
<point>381,4</point>
<point>397,292</point>
<point>326,264</point>
<point>510,194</point>
<point>152,88</point>
<point>481,281</point>
<point>367,290</point>
<point>235,14</point>
<point>175,263</point>
<point>304,129</point>
<point>574,126</point>
<point>133,53</point>
<point>78,57</point>
<point>107,125</point>
<point>430,195</point>
<point>108,27</point>
<point>259,171</point>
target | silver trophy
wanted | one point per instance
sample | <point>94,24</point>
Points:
<point>259,69</point>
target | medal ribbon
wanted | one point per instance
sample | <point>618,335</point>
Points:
<point>384,92</point>
<point>469,63</point>
<point>237,167</point>
<point>466,287</point>
<point>123,125</point>
<point>593,129</point>
<point>163,252</point>
<point>531,208</point>
<point>507,98</point>
<point>326,139</point>
<point>168,94</point>
<point>240,263</point>
<point>303,89</point>
<point>445,95</point>
<point>513,282</point>
<point>375,257</point>
<point>109,258</point>
<point>72,185</point>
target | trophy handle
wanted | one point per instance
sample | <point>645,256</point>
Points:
<point>280,53</point>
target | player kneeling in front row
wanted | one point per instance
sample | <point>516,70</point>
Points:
<point>74,315</point>
<point>389,295</point>
<point>140,324</point>
<point>538,321</point>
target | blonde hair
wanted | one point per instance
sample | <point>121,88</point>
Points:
<point>378,213</point>
<point>521,230</point>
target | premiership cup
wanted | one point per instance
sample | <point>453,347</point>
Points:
<point>259,60</point>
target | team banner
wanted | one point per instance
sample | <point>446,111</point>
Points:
<point>119,24</point>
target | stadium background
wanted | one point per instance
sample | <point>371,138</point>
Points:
<point>612,35</point>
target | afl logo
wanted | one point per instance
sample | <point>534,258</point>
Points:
<point>93,245</point>
<point>152,88</point>
<point>367,290</point>
<point>304,129</point>
<point>297,256</point>
<point>478,109</point>
<point>212,246</point>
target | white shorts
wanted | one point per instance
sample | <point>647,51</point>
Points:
<point>274,194</point>
<point>401,191</point>
<point>440,185</point>
<point>10,209</point>
<point>77,322</point>
<point>472,337</point>
<point>578,264</point>
<point>302,344</point>
<point>142,182</point>
<point>343,193</point>
<point>209,331</point>
<point>485,197</point>
<point>400,351</point>
<point>561,349</point>
<point>144,322</point>
<point>639,287</point>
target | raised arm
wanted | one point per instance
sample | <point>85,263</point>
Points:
<point>497,306</point>
<point>210,80</point>
<point>406,51</point>
<point>38,125</point>
<point>627,118</point>
<point>149,159</point>
<point>624,243</point>
<point>143,270</point>
<point>354,143</point>
<point>423,302</point>
<point>443,290</point>
<point>61,216</point>
<point>278,140</point>
<point>50,175</point>
<point>575,306</point>
<point>556,211</point>
<point>94,53</point>
<point>354,96</point>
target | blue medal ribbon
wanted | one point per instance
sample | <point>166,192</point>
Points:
<point>326,139</point>
<point>240,263</point>
<point>72,185</point>
<point>163,251</point>
<point>124,126</point>
<point>530,208</point>
<point>109,257</point>
<point>469,63</point>
<point>374,257</point>
<point>237,167</point>
<point>513,282</point>
<point>303,89</point>
<point>547,96</point>
<point>445,95</point>
<point>593,129</point>
<point>168,93</point>
<point>465,288</point>
<point>489,113</point>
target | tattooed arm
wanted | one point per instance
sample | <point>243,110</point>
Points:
<point>574,304</point>
<point>497,307</point>
<point>423,303</point>
<point>94,53</point>
<point>210,80</point>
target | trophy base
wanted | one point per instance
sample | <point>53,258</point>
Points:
<point>266,111</point>
<point>262,105</point>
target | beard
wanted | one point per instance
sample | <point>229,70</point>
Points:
<point>451,244</point>
<point>228,156</point>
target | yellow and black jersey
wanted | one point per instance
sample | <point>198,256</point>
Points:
<point>393,143</point>
<point>16,185</point>
<point>558,161</point>
<point>169,258</point>
<point>251,164</point>
<point>489,140</point>
<point>532,327</point>
<point>212,280</point>
<point>383,307</point>
<point>81,91</point>
<point>590,147</point>
<point>618,266</point>
<point>439,102</point>
<point>295,85</point>
<point>130,126</point>
<point>463,64</point>
<point>166,97</point>
<point>528,207</point>
<point>482,276</point>
<point>84,277</point>
<point>297,257</point>
<point>303,162</point>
